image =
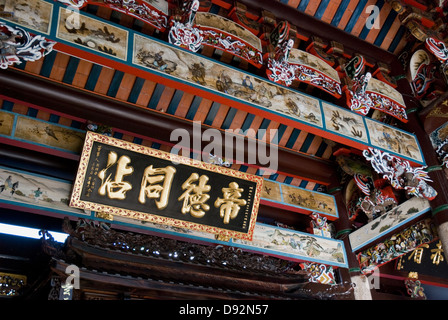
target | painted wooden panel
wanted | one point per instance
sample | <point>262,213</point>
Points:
<point>389,222</point>
<point>298,199</point>
<point>44,195</point>
<point>41,132</point>
<point>36,192</point>
<point>164,188</point>
<point>174,64</point>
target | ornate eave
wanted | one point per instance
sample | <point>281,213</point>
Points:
<point>148,266</point>
<point>144,103</point>
<point>35,91</point>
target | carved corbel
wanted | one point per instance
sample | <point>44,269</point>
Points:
<point>182,32</point>
<point>400,174</point>
<point>17,45</point>
<point>382,72</point>
<point>317,48</point>
<point>361,100</point>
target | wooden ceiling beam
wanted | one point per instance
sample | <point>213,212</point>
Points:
<point>44,93</point>
<point>309,26</point>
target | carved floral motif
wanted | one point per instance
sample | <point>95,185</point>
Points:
<point>283,71</point>
<point>361,100</point>
<point>138,9</point>
<point>17,45</point>
<point>400,173</point>
<point>187,34</point>
<point>100,234</point>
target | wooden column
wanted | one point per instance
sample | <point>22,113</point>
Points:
<point>38,92</point>
<point>343,226</point>
<point>439,205</point>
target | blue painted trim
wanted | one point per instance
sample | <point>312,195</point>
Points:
<point>303,4</point>
<point>137,140</point>
<point>7,105</point>
<point>365,31</point>
<point>214,8</point>
<point>293,138</point>
<point>156,145</point>
<point>174,103</point>
<point>288,180</point>
<point>70,71</point>
<point>303,184</point>
<point>115,83</point>
<point>355,16</point>
<point>76,124</point>
<point>398,36</point>
<point>274,177</point>
<point>32,112</point>
<point>135,91</point>
<point>212,113</point>
<point>339,13</point>
<point>54,118</point>
<point>248,121</point>
<point>367,131</point>
<point>157,93</point>
<point>118,135</point>
<point>229,118</point>
<point>264,126</point>
<point>323,146</point>
<point>307,143</point>
<point>385,29</point>
<point>93,77</point>
<point>321,9</point>
<point>281,131</point>
<point>47,64</point>
<point>194,107</point>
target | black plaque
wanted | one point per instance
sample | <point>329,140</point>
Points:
<point>134,181</point>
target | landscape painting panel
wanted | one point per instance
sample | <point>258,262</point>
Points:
<point>344,122</point>
<point>211,20</point>
<point>6,123</point>
<point>311,200</point>
<point>49,134</point>
<point>271,191</point>
<point>394,140</point>
<point>195,69</point>
<point>160,5</point>
<point>405,212</point>
<point>298,244</point>
<point>33,14</point>
<point>383,88</point>
<point>93,34</point>
<point>297,56</point>
<point>27,189</point>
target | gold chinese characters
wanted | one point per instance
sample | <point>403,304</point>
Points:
<point>157,182</point>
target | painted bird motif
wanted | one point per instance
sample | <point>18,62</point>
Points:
<point>51,133</point>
